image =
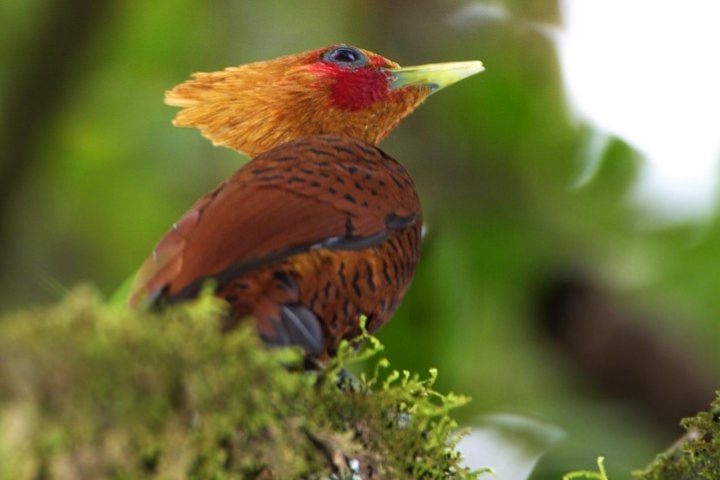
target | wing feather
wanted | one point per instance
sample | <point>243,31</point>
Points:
<point>301,193</point>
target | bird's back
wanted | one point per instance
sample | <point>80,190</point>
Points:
<point>305,238</point>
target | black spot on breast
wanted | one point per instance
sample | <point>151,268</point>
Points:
<point>259,171</point>
<point>314,183</point>
<point>355,285</point>
<point>399,267</point>
<point>404,245</point>
<point>307,171</point>
<point>341,274</point>
<point>295,180</point>
<point>358,186</point>
<point>352,169</point>
<point>392,246</point>
<point>349,227</point>
<point>332,190</point>
<point>270,178</point>
<point>411,242</point>
<point>317,151</point>
<point>369,277</point>
<point>386,272</point>
<point>349,198</point>
<point>341,149</point>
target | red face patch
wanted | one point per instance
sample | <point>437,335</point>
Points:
<point>354,89</point>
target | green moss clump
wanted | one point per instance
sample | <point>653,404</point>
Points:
<point>93,391</point>
<point>696,456</point>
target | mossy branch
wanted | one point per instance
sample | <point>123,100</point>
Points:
<point>92,391</point>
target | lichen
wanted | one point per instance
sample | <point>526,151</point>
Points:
<point>88,390</point>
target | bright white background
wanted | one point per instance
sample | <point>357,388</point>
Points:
<point>649,71</point>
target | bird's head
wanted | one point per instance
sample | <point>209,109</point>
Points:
<point>340,89</point>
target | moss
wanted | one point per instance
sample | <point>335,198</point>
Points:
<point>93,391</point>
<point>695,456</point>
<point>601,474</point>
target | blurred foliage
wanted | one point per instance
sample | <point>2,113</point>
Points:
<point>91,391</point>
<point>496,159</point>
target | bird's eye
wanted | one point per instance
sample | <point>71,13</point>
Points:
<point>346,57</point>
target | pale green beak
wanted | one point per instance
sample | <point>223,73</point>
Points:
<point>435,75</point>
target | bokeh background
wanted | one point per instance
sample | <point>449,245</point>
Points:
<point>571,276</point>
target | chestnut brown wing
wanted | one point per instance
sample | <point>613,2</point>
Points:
<point>317,192</point>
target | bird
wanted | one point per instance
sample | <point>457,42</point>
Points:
<point>320,227</point>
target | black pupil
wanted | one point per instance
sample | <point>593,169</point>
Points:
<point>345,55</point>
